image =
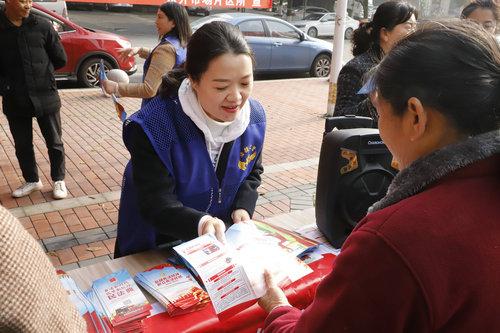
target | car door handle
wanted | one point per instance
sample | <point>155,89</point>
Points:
<point>277,43</point>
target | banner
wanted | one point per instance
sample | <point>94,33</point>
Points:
<point>194,3</point>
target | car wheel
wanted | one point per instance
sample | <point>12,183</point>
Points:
<point>313,32</point>
<point>88,73</point>
<point>349,32</point>
<point>321,66</point>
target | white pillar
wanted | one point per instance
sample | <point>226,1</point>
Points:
<point>337,53</point>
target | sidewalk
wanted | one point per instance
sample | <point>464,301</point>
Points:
<point>81,229</point>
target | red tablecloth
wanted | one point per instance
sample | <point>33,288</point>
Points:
<point>300,294</point>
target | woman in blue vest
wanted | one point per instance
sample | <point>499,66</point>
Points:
<point>172,24</point>
<point>196,148</point>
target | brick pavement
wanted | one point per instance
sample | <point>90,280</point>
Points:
<point>81,229</point>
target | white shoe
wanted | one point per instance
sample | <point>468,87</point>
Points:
<point>60,191</point>
<point>27,188</point>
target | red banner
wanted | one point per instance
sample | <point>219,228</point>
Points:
<point>194,3</point>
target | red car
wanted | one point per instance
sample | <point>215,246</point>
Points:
<point>85,48</point>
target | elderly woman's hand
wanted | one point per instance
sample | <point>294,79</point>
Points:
<point>274,296</point>
<point>110,87</point>
<point>240,215</point>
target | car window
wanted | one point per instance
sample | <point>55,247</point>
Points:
<point>328,17</point>
<point>58,25</point>
<point>281,30</point>
<point>313,17</point>
<point>252,28</point>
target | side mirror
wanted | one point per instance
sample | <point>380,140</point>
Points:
<point>302,37</point>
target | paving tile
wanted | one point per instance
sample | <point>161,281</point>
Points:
<point>91,232</point>
<point>92,238</point>
<point>60,229</point>
<point>66,256</point>
<point>82,253</point>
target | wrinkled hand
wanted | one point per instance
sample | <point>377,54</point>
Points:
<point>240,215</point>
<point>128,52</point>
<point>110,87</point>
<point>215,227</point>
<point>274,296</point>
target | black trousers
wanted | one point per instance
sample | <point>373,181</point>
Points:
<point>21,129</point>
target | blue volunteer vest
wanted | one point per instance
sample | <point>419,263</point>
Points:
<point>180,57</point>
<point>182,149</point>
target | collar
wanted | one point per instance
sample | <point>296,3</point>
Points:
<point>192,108</point>
<point>5,23</point>
<point>438,164</point>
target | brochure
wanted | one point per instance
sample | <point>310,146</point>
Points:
<point>233,273</point>
<point>311,231</point>
<point>122,302</point>
<point>120,110</point>
<point>174,288</point>
<point>82,304</point>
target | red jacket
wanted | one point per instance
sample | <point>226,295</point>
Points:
<point>427,263</point>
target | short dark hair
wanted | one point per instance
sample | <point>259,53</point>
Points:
<point>451,66</point>
<point>207,43</point>
<point>388,15</point>
<point>483,4</point>
<point>179,15</point>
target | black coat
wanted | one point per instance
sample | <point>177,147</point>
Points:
<point>351,79</point>
<point>30,54</point>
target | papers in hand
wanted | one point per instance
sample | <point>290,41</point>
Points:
<point>120,110</point>
<point>233,273</point>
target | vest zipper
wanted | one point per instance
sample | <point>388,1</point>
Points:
<point>211,198</point>
<point>220,195</point>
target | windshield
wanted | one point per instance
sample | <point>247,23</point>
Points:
<point>313,17</point>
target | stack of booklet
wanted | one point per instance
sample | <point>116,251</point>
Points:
<point>119,302</point>
<point>174,288</point>
<point>82,304</point>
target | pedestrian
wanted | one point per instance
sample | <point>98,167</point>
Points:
<point>196,149</point>
<point>371,41</point>
<point>426,256</point>
<point>31,51</point>
<point>32,298</point>
<point>484,13</point>
<point>172,25</point>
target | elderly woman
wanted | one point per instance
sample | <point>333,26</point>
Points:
<point>427,256</point>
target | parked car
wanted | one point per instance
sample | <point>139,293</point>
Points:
<point>56,6</point>
<point>196,11</point>
<point>299,13</point>
<point>85,48</point>
<point>319,24</point>
<point>278,46</point>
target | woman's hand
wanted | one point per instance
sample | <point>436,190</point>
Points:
<point>215,227</point>
<point>274,296</point>
<point>128,52</point>
<point>110,87</point>
<point>240,215</point>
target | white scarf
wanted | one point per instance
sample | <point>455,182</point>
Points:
<point>215,136</point>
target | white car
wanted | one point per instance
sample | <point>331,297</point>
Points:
<point>320,24</point>
<point>57,6</point>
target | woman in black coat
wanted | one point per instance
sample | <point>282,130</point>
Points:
<point>391,22</point>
